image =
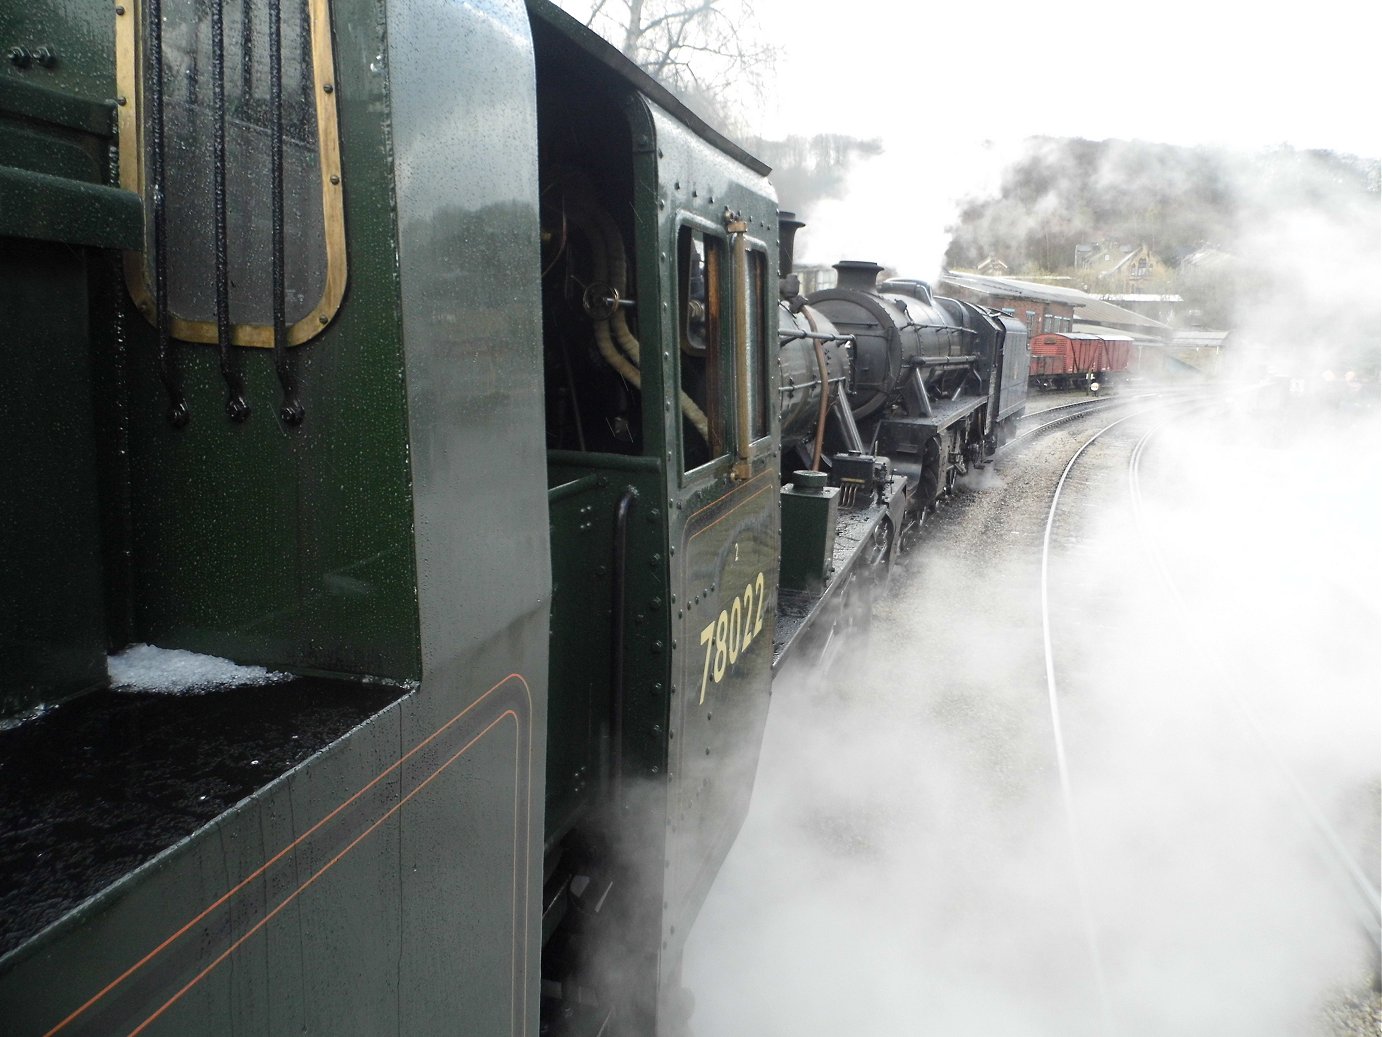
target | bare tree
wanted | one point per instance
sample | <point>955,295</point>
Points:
<point>714,53</point>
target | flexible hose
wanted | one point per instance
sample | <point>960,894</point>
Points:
<point>599,269</point>
<point>610,265</point>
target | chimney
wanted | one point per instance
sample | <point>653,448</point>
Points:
<point>787,227</point>
<point>856,274</point>
<point>788,284</point>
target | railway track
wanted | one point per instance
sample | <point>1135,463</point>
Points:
<point>1038,422</point>
<point>925,819</point>
<point>1359,891</point>
<point>1080,868</point>
<point>1350,880</point>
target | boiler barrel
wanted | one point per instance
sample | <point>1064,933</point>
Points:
<point>799,371</point>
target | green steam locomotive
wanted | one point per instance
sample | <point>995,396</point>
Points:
<point>429,358</point>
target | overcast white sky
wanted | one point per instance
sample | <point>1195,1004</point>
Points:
<point>951,89</point>
<point>1180,71</point>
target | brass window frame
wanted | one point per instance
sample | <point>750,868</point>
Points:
<point>129,19</point>
<point>718,259</point>
<point>763,318</point>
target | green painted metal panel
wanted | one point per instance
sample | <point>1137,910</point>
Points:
<point>723,545</point>
<point>54,208</point>
<point>390,883</point>
<point>464,136</point>
<point>52,624</point>
<point>52,631</point>
<point>80,36</point>
<point>41,102</point>
<point>291,548</point>
<point>810,511</point>
<point>582,521</point>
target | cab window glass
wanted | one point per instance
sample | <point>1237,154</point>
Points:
<point>758,350</point>
<point>246,121</point>
<point>700,270</point>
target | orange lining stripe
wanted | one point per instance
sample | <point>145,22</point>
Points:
<point>328,865</point>
<point>728,513</point>
<point>726,496</point>
<point>281,853</point>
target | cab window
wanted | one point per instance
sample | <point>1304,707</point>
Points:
<point>758,339</point>
<point>700,269</point>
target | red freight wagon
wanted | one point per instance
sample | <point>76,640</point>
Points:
<point>1089,353</point>
<point>1051,356</point>
<point>1065,361</point>
<point>1119,352</point>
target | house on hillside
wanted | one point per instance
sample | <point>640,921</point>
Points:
<point>992,266</point>
<point>1208,257</point>
<point>1118,269</point>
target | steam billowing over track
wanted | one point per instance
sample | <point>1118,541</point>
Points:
<point>911,815</point>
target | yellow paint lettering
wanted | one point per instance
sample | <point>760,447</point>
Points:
<point>758,626</point>
<point>749,632</point>
<point>707,639</point>
<point>721,646</point>
<point>728,636</point>
<point>736,629</point>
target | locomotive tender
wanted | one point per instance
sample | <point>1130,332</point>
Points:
<point>431,356</point>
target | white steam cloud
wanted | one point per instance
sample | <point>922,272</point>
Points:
<point>907,868</point>
<point>897,209</point>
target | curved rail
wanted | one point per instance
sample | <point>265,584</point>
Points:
<point>1362,895</point>
<point>1079,409</point>
<point>1062,764</point>
<point>1365,896</point>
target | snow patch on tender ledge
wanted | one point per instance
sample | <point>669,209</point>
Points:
<point>174,671</point>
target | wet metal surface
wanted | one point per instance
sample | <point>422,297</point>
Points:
<point>97,787</point>
<point>796,609</point>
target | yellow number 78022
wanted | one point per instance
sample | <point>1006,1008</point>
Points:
<point>729,635</point>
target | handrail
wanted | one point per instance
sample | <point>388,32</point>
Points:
<point>617,625</point>
<point>737,229</point>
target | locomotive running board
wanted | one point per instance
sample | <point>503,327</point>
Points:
<point>799,611</point>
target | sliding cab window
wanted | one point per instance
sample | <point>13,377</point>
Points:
<point>759,316</point>
<point>230,92</point>
<point>700,319</point>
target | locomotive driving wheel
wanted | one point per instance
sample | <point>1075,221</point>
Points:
<point>880,547</point>
<point>877,569</point>
<point>912,523</point>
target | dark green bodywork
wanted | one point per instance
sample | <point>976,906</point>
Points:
<point>291,549</point>
<point>415,532</point>
<point>810,513</point>
<point>390,882</point>
<point>53,196</point>
<point>695,540</point>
